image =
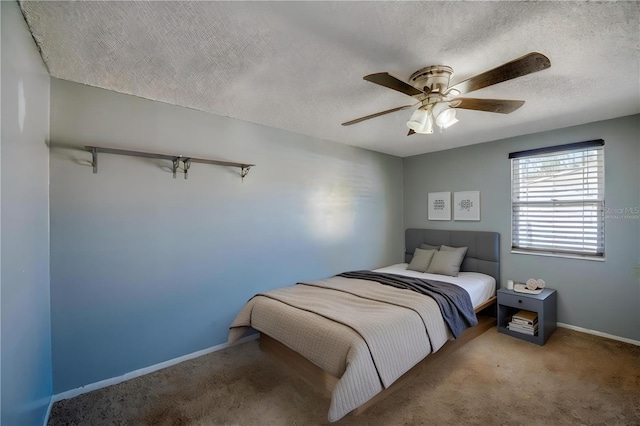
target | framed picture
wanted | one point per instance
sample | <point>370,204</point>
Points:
<point>466,205</point>
<point>440,206</point>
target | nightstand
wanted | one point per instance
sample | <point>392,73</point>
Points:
<point>544,304</point>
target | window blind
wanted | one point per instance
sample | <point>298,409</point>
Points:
<point>558,200</point>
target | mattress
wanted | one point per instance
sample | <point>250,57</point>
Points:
<point>481,287</point>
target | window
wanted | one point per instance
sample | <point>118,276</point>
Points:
<point>557,200</point>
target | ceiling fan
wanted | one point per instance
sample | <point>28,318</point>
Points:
<point>438,101</point>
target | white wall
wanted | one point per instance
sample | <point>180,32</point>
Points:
<point>600,296</point>
<point>145,268</point>
<point>24,278</point>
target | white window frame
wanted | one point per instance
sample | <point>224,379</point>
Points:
<point>545,236</point>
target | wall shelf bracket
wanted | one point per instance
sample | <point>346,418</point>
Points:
<point>94,160</point>
<point>175,160</point>
<point>244,172</point>
<point>186,163</point>
<point>176,165</point>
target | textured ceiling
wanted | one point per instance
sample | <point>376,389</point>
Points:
<point>298,66</point>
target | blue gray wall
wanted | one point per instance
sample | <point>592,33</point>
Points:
<point>24,247</point>
<point>146,268</point>
<point>600,296</point>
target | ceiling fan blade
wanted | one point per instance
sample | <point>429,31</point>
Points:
<point>386,80</point>
<point>527,64</point>
<point>411,132</point>
<point>502,106</point>
<point>377,114</point>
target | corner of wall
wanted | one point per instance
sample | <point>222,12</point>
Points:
<point>25,363</point>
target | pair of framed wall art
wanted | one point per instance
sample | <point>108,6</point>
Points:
<point>466,205</point>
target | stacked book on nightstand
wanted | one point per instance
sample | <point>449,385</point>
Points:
<point>525,322</point>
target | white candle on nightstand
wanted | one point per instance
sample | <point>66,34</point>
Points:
<point>509,284</point>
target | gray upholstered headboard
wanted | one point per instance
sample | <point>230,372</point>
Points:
<point>482,256</point>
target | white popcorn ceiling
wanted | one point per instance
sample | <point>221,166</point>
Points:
<point>298,66</point>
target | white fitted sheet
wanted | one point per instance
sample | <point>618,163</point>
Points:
<point>481,287</point>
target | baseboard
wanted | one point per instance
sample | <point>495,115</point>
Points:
<point>599,333</point>
<point>48,414</point>
<point>141,372</point>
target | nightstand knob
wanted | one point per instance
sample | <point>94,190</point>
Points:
<point>519,300</point>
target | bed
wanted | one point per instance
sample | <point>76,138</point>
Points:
<point>343,334</point>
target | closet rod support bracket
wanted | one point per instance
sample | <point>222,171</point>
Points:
<point>176,164</point>
<point>186,163</point>
<point>94,160</point>
<point>244,172</point>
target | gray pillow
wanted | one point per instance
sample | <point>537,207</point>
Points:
<point>421,260</point>
<point>447,261</point>
<point>429,247</point>
<point>447,248</point>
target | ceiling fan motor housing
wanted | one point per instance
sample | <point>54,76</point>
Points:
<point>433,79</point>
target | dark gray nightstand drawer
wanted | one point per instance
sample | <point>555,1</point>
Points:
<point>521,302</point>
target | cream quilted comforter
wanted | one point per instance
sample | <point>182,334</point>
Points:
<point>350,328</point>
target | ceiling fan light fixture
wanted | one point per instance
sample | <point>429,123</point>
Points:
<point>445,115</point>
<point>427,129</point>
<point>449,123</point>
<point>418,120</point>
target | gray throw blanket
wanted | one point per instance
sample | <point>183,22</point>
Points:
<point>454,301</point>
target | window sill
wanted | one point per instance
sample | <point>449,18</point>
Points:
<point>564,256</point>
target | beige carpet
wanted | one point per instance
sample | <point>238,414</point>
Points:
<point>494,380</point>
